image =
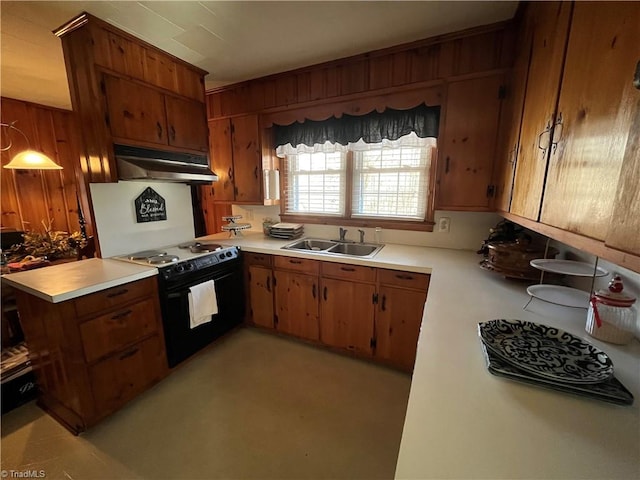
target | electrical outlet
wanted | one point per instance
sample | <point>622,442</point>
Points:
<point>444,224</point>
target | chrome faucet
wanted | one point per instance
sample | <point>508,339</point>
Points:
<point>361,235</point>
<point>343,232</point>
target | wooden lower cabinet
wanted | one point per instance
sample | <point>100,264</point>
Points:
<point>347,312</point>
<point>397,327</point>
<point>94,353</point>
<point>369,312</point>
<point>296,304</point>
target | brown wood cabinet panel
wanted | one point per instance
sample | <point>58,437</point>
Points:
<point>593,118</point>
<point>349,272</point>
<point>135,112</point>
<point>467,151</point>
<point>296,304</point>
<point>187,124</point>
<point>261,311</point>
<point>398,321</point>
<point>380,72</point>
<point>251,258</point>
<point>419,281</point>
<point>221,156</point>
<point>303,265</point>
<point>113,297</point>
<point>120,378</point>
<point>126,57</point>
<point>511,117</point>
<point>160,70</point>
<point>189,83</point>
<point>624,229</point>
<point>550,27</point>
<point>347,315</point>
<point>247,159</point>
<point>424,63</point>
<point>115,330</point>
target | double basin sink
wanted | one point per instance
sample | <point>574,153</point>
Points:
<point>362,250</point>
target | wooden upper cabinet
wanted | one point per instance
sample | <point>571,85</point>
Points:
<point>186,123</point>
<point>160,70</point>
<point>594,117</point>
<point>467,151</point>
<point>550,28</point>
<point>135,111</point>
<point>247,159</point>
<point>126,56</point>
<point>511,117</point>
<point>237,160</point>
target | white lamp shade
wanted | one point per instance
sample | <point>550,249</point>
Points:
<point>32,160</point>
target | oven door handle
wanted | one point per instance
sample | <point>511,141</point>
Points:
<point>185,290</point>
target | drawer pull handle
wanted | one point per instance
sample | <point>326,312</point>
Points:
<point>119,316</point>
<point>384,303</point>
<point>295,261</point>
<point>128,354</point>
<point>348,269</point>
<point>268,283</point>
<point>313,290</point>
<point>404,277</point>
<point>118,293</point>
<point>324,294</point>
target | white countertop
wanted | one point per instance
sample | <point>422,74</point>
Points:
<point>463,422</point>
<point>62,282</point>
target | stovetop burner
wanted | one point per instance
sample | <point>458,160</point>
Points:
<point>162,259</point>
<point>204,247</point>
<point>146,254</point>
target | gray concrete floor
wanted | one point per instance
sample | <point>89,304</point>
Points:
<point>251,406</point>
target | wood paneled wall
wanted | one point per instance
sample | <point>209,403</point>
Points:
<point>453,56</point>
<point>30,197</point>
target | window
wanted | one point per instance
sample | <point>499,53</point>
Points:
<point>375,182</point>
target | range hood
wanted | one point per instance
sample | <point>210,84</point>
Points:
<point>135,163</point>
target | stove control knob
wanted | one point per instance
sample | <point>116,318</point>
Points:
<point>179,268</point>
<point>189,266</point>
<point>229,254</point>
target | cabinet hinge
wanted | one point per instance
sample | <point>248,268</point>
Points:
<point>374,298</point>
<point>274,281</point>
<point>233,129</point>
<point>373,343</point>
<point>502,92</point>
<point>103,88</point>
<point>491,190</point>
<point>106,120</point>
<point>275,319</point>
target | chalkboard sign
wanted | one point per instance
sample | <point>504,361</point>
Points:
<point>150,207</point>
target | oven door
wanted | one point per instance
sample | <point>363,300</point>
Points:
<point>181,340</point>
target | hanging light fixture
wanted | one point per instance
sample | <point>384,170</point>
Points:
<point>27,159</point>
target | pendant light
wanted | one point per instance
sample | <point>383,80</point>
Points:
<point>28,159</point>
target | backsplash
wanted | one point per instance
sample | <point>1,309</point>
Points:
<point>467,230</point>
<point>118,231</point>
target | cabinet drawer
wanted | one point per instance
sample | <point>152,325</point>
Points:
<point>398,278</point>
<point>256,259</point>
<point>297,264</point>
<point>111,332</point>
<point>112,297</point>
<point>119,378</point>
<point>350,272</point>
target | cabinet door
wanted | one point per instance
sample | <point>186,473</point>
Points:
<point>221,159</point>
<point>261,296</point>
<point>511,118</point>
<point>398,322</point>
<point>247,161</point>
<point>187,124</point>
<point>135,112</point>
<point>296,303</point>
<point>468,149</point>
<point>594,116</point>
<point>625,218</point>
<point>550,27</point>
<point>347,315</point>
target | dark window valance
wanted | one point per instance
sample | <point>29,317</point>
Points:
<point>372,127</point>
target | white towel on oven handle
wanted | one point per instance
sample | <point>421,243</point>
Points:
<point>203,303</point>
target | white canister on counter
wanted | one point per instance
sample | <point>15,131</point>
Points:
<point>612,316</point>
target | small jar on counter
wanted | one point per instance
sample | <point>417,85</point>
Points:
<point>612,317</point>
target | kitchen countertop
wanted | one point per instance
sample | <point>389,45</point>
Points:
<point>66,281</point>
<point>463,422</point>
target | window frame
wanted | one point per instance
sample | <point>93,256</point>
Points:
<point>426,225</point>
